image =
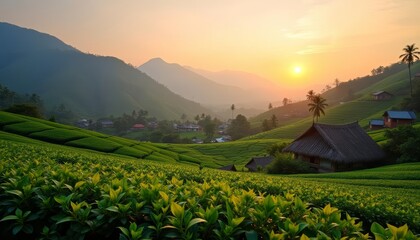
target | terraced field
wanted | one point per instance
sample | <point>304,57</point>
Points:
<point>361,111</point>
<point>58,191</point>
<point>208,155</point>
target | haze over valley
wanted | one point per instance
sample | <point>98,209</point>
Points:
<point>209,120</point>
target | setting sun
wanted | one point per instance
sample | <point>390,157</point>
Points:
<point>297,70</point>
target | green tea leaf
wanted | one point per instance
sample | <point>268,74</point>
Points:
<point>195,221</point>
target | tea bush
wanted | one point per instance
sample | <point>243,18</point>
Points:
<point>96,196</point>
<point>285,163</point>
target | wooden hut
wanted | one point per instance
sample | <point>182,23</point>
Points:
<point>336,147</point>
<point>229,168</point>
<point>376,124</point>
<point>382,95</point>
<point>394,119</point>
<point>257,163</point>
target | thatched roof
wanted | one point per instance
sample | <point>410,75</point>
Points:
<point>229,168</point>
<point>253,164</point>
<point>343,144</point>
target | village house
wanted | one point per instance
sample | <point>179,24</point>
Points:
<point>258,163</point>
<point>222,139</point>
<point>187,127</point>
<point>138,126</point>
<point>82,123</point>
<point>393,119</point>
<point>106,123</point>
<point>331,148</point>
<point>376,124</point>
<point>382,95</point>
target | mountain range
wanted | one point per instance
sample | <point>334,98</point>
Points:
<point>261,90</point>
<point>90,85</point>
<point>217,90</point>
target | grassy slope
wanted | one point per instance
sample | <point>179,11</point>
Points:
<point>14,127</point>
<point>362,109</point>
<point>353,192</point>
<point>210,155</point>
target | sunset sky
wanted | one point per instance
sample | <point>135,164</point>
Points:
<point>326,39</point>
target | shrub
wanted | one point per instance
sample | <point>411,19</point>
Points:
<point>286,164</point>
<point>410,150</point>
<point>403,143</point>
<point>276,148</point>
<point>25,109</point>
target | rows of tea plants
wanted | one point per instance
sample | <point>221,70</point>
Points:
<point>209,155</point>
<point>51,193</point>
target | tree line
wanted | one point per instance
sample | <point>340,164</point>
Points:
<point>27,104</point>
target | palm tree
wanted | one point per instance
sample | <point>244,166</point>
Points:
<point>232,108</point>
<point>317,105</point>
<point>310,94</point>
<point>409,56</point>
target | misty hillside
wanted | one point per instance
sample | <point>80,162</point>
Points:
<point>89,85</point>
<point>350,101</point>
<point>16,39</point>
<point>261,90</point>
<point>189,83</point>
<point>192,85</point>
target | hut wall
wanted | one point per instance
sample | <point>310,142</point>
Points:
<point>375,127</point>
<point>325,164</point>
<point>393,123</point>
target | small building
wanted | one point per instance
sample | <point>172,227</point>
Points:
<point>82,123</point>
<point>106,123</point>
<point>393,119</point>
<point>229,168</point>
<point>222,139</point>
<point>138,126</point>
<point>382,95</point>
<point>187,127</point>
<point>331,148</point>
<point>376,124</point>
<point>258,163</point>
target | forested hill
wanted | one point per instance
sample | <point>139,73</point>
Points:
<point>91,86</point>
<point>350,101</point>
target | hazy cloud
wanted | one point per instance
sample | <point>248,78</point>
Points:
<point>315,49</point>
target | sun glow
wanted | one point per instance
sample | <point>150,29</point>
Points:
<point>297,69</point>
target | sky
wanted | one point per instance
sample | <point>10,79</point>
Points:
<point>326,39</point>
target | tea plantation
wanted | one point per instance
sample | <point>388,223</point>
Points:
<point>58,192</point>
<point>61,182</point>
<point>208,155</point>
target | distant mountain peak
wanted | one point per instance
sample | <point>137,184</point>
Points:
<point>19,39</point>
<point>157,59</point>
<point>91,86</point>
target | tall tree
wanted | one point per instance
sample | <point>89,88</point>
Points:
<point>239,128</point>
<point>316,106</point>
<point>285,101</point>
<point>274,121</point>
<point>183,117</point>
<point>310,95</point>
<point>270,106</point>
<point>336,82</point>
<point>409,56</point>
<point>266,125</point>
<point>232,108</point>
